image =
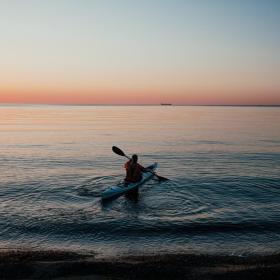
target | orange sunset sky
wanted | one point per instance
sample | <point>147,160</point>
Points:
<point>140,52</point>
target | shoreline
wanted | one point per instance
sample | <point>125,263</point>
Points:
<point>17,264</point>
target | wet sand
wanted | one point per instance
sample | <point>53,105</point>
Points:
<point>69,265</point>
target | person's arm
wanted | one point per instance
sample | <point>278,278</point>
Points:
<point>142,168</point>
<point>126,166</point>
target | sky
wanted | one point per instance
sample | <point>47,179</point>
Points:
<point>186,52</point>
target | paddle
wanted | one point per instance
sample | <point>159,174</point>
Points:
<point>119,152</point>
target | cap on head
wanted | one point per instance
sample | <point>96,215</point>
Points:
<point>134,158</point>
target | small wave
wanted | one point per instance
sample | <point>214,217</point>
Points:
<point>141,229</point>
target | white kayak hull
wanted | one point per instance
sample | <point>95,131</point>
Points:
<point>122,188</point>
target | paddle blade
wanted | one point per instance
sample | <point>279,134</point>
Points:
<point>161,179</point>
<point>118,151</point>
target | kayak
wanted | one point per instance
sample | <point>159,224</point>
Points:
<point>122,188</point>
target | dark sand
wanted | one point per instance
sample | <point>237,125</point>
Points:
<point>67,265</point>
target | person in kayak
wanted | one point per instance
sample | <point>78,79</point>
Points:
<point>133,170</point>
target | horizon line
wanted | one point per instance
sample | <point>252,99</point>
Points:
<point>143,104</point>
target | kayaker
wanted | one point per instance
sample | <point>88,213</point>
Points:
<point>133,170</point>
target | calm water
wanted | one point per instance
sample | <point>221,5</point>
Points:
<point>223,162</point>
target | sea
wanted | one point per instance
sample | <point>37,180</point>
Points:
<point>222,196</point>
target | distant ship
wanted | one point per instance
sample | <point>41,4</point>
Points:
<point>165,104</point>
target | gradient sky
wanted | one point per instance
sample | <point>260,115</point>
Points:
<point>140,52</point>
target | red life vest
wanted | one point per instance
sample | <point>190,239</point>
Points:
<point>133,172</point>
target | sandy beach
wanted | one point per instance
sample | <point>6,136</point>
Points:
<point>70,265</point>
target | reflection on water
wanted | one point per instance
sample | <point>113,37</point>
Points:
<point>223,162</point>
